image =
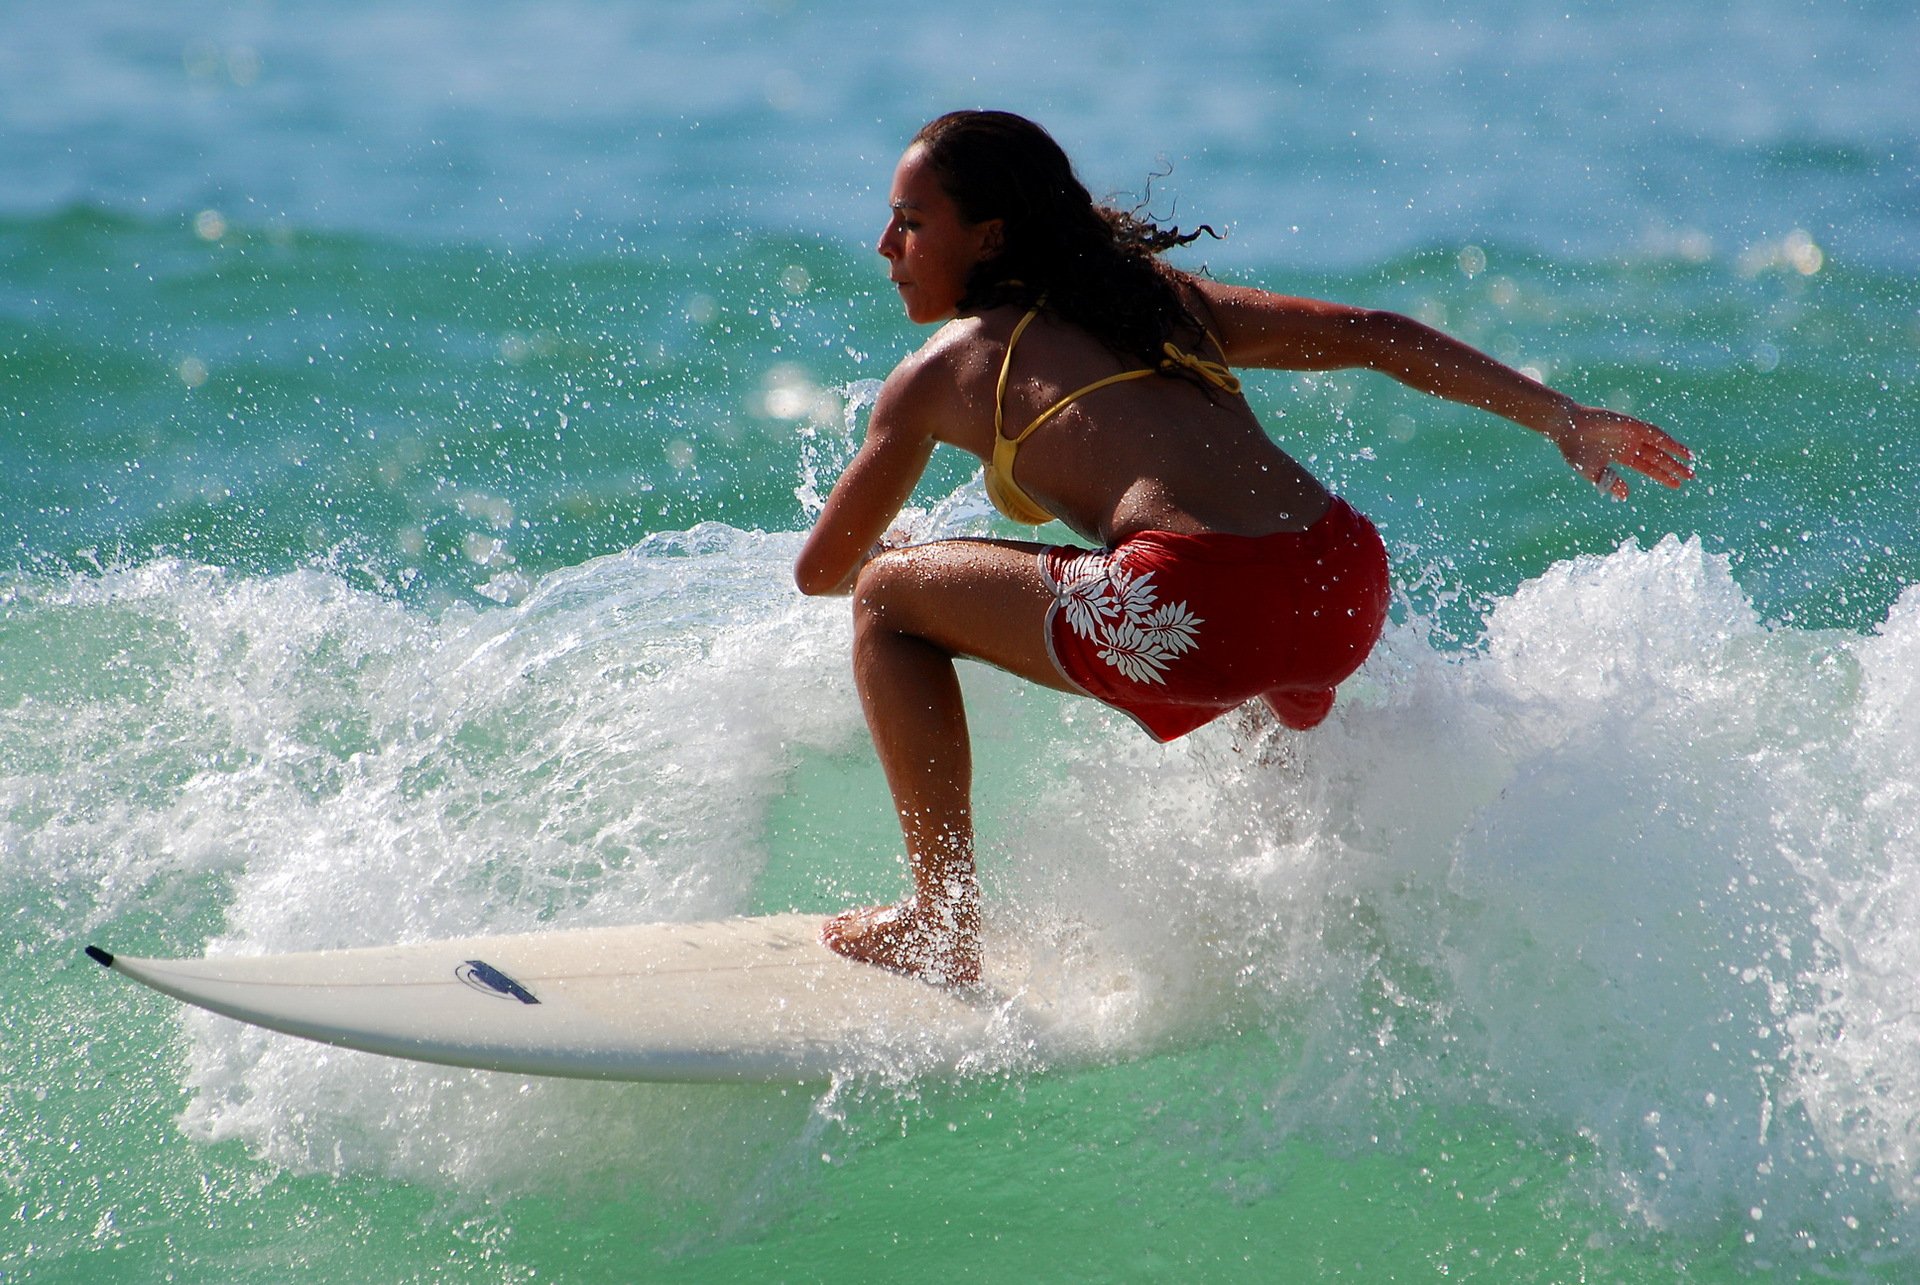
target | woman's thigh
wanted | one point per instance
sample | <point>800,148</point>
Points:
<point>983,599</point>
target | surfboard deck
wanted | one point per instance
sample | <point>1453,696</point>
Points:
<point>750,999</point>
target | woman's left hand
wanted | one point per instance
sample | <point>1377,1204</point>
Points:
<point>1598,443</point>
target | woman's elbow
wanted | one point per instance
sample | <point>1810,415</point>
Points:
<point>808,580</point>
<point>817,582</point>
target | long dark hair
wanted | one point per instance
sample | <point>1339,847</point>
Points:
<point>1096,267</point>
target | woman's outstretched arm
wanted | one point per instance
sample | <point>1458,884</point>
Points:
<point>1260,329</point>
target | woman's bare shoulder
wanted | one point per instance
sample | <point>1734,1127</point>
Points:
<point>974,339</point>
<point>947,384</point>
<point>954,358</point>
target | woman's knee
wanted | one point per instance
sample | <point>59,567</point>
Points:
<point>897,584</point>
<point>962,597</point>
<point>873,587</point>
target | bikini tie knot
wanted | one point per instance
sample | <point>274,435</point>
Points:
<point>1211,371</point>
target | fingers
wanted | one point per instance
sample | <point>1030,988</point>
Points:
<point>1663,469</point>
<point>1647,450</point>
<point>1664,460</point>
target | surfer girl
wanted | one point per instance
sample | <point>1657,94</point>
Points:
<point>1094,381</point>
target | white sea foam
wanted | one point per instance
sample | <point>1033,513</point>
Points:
<point>1637,871</point>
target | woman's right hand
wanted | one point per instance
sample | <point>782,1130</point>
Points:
<point>1598,443</point>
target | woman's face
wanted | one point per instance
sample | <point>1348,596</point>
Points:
<point>930,250</point>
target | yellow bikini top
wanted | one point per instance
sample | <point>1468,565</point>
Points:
<point>1005,493</point>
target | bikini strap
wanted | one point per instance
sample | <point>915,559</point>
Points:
<point>1006,365</point>
<point>1212,372</point>
<point>1075,396</point>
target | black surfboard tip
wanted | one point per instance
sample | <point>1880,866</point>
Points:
<point>103,958</point>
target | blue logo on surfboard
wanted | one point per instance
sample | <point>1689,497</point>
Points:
<point>488,980</point>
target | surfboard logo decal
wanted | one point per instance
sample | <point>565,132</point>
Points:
<point>488,980</point>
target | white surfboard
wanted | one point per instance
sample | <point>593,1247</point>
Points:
<point>734,1000</point>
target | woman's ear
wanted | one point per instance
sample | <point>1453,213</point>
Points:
<point>992,238</point>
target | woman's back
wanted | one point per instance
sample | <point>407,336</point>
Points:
<point>1159,452</point>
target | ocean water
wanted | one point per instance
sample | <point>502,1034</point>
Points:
<point>408,416</point>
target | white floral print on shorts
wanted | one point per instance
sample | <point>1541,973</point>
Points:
<point>1118,611</point>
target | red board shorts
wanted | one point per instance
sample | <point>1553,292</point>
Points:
<point>1175,630</point>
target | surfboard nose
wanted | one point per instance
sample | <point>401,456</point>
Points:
<point>101,957</point>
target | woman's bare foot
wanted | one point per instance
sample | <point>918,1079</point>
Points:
<point>936,948</point>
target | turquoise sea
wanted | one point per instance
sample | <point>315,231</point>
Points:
<point>409,412</point>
